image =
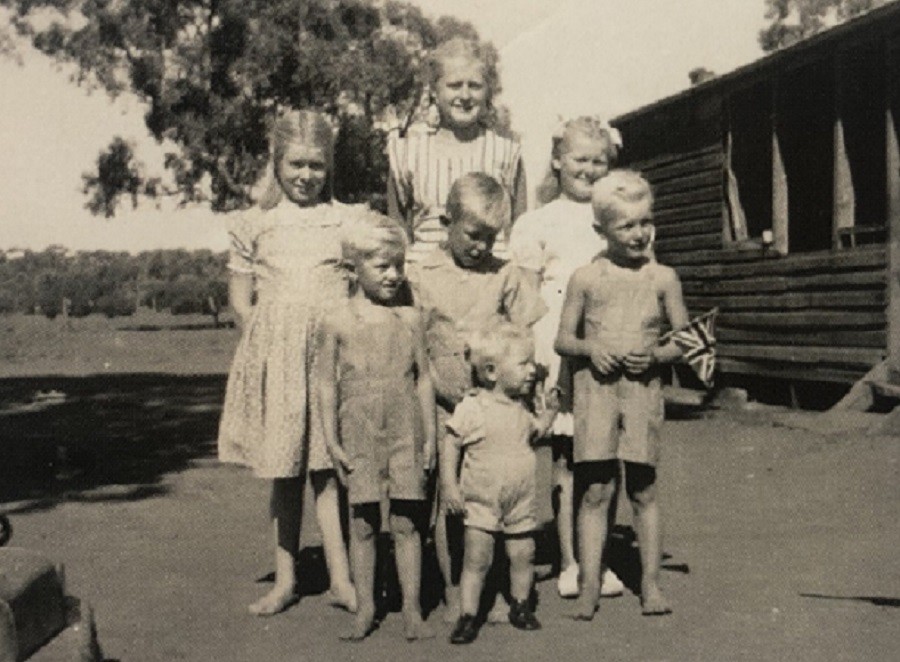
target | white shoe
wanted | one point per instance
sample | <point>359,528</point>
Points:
<point>610,585</point>
<point>567,584</point>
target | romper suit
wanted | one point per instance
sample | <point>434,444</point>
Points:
<point>618,416</point>
<point>497,480</point>
<point>380,417</point>
<point>292,253</point>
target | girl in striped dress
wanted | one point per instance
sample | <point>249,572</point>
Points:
<point>425,162</point>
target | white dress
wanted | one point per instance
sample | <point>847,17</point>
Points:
<point>554,241</point>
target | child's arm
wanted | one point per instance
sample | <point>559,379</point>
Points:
<point>449,461</point>
<point>676,311</point>
<point>325,382</point>
<point>567,341</point>
<point>550,408</point>
<point>424,388</point>
<point>240,295</point>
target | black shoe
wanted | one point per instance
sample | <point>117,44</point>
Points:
<point>465,631</point>
<point>521,616</point>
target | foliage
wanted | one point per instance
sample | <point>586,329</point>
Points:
<point>214,72</point>
<point>53,281</point>
<point>795,20</point>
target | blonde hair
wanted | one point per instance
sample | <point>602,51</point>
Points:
<point>592,127</point>
<point>482,197</point>
<point>471,49</point>
<point>488,345</point>
<point>309,127</point>
<point>617,193</point>
<point>369,233</point>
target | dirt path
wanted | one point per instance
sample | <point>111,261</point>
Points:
<point>781,544</point>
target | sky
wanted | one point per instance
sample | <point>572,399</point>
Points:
<point>558,58</point>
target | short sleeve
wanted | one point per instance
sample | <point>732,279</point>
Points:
<point>526,246</point>
<point>466,425</point>
<point>522,303</point>
<point>243,233</point>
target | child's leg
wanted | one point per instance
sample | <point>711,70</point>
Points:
<point>406,520</point>
<point>565,518</point>
<point>286,507</point>
<point>520,550</point>
<point>640,484</point>
<point>477,559</point>
<point>328,513</point>
<point>445,564</point>
<point>599,480</point>
<point>365,522</point>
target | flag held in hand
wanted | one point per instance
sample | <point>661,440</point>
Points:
<point>697,341</point>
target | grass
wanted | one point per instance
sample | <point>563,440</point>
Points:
<point>147,342</point>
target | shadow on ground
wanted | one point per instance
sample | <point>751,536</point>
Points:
<point>104,438</point>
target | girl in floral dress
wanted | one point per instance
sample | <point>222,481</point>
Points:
<point>284,272</point>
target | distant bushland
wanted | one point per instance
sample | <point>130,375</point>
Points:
<point>57,282</point>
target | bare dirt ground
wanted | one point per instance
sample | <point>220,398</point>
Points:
<point>781,544</point>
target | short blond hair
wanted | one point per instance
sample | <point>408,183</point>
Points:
<point>617,193</point>
<point>478,195</point>
<point>488,345</point>
<point>369,233</point>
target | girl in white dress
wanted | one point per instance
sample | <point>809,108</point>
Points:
<point>551,242</point>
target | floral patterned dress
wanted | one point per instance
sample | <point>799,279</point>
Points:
<point>293,255</point>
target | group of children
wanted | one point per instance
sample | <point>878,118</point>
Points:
<point>375,347</point>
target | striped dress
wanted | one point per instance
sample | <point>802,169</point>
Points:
<point>423,167</point>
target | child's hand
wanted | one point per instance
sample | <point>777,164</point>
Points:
<point>551,399</point>
<point>453,501</point>
<point>605,361</point>
<point>342,464</point>
<point>639,362</point>
<point>429,457</point>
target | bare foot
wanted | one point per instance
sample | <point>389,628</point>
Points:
<point>451,598</point>
<point>414,628</point>
<point>363,625</point>
<point>342,598</point>
<point>653,602</point>
<point>587,603</point>
<point>275,601</point>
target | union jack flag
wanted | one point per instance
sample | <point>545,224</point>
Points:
<point>698,342</point>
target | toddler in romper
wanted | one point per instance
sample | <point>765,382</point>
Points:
<point>461,286</point>
<point>378,413</point>
<point>621,300</point>
<point>494,429</point>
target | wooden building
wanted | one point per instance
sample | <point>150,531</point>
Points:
<point>778,201</point>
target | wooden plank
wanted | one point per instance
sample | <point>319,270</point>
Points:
<point>688,166</point>
<point>793,300</point>
<point>893,205</point>
<point>843,196</point>
<point>779,192</point>
<point>701,211</point>
<point>694,242</point>
<point>707,194</point>
<point>855,356</point>
<point>789,371</point>
<point>832,282</point>
<point>703,226</point>
<point>666,159</point>
<point>806,319</point>
<point>822,261</point>
<point>683,184</point>
<point>856,338</point>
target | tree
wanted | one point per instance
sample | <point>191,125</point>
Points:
<point>795,20</point>
<point>213,73</point>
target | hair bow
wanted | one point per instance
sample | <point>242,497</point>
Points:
<point>615,136</point>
